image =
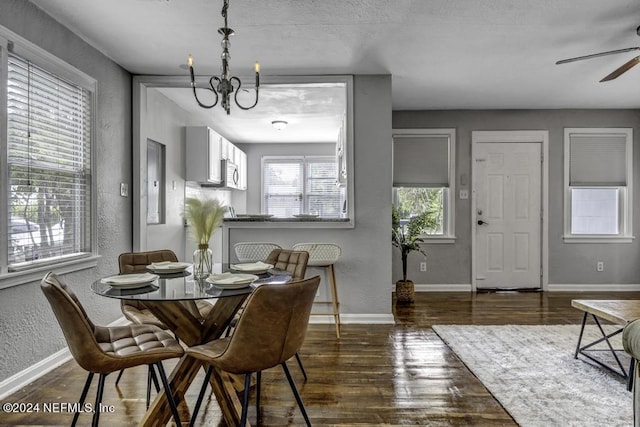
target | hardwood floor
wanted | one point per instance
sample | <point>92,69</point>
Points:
<point>387,375</point>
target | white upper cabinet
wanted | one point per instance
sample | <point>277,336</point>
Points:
<point>203,155</point>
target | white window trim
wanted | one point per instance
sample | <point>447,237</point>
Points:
<point>26,49</point>
<point>626,223</point>
<point>450,235</point>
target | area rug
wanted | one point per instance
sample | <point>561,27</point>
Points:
<point>531,371</point>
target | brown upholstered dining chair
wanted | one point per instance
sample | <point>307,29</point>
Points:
<point>293,262</point>
<point>270,330</point>
<point>101,349</point>
<point>137,312</point>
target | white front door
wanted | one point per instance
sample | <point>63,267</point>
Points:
<point>508,221</point>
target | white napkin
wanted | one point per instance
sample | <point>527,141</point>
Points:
<point>130,278</point>
<point>230,278</point>
<point>168,265</point>
<point>252,266</point>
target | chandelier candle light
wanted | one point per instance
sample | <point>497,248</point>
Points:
<point>224,87</point>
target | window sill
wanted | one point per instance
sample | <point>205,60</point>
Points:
<point>34,274</point>
<point>598,239</point>
<point>439,240</point>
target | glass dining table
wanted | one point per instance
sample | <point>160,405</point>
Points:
<point>165,297</point>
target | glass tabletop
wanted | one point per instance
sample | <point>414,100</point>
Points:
<point>183,286</point>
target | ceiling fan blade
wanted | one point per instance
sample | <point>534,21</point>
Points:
<point>596,55</point>
<point>622,69</point>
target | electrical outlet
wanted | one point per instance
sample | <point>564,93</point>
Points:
<point>600,266</point>
<point>423,266</point>
<point>124,189</point>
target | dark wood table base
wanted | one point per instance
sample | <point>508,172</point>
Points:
<point>191,331</point>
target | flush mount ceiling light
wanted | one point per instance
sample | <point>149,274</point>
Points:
<point>225,87</point>
<point>279,124</point>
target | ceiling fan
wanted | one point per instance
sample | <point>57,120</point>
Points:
<point>620,70</point>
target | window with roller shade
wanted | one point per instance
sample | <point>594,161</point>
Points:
<point>598,183</point>
<point>424,175</point>
<point>301,185</point>
<point>49,138</point>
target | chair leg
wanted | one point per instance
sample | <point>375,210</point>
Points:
<point>245,399</point>
<point>201,396</point>
<point>83,396</point>
<point>154,378</point>
<point>119,376</point>
<point>334,297</point>
<point>304,372</point>
<point>168,393</point>
<point>295,394</point>
<point>96,408</point>
<point>258,381</point>
<point>149,385</point>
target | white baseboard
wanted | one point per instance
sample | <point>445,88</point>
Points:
<point>436,287</point>
<point>37,370</point>
<point>369,319</point>
<point>594,287</point>
<point>29,375</point>
<point>558,287</point>
<point>456,287</point>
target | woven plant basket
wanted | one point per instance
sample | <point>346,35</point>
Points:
<point>404,292</point>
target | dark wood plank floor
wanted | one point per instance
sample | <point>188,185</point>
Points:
<point>388,375</point>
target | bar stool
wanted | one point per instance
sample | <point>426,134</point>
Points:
<point>254,251</point>
<point>324,255</point>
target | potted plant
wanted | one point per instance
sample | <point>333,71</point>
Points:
<point>406,237</point>
<point>203,217</point>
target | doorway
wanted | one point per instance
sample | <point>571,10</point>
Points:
<point>509,224</point>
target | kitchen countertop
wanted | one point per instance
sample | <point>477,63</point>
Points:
<point>276,219</point>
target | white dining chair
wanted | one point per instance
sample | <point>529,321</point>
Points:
<point>325,255</point>
<point>254,251</point>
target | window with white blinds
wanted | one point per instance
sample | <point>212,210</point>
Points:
<point>301,185</point>
<point>598,181</point>
<point>49,165</point>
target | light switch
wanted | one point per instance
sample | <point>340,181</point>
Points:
<point>124,189</point>
<point>464,194</point>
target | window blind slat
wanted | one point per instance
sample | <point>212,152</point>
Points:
<point>49,164</point>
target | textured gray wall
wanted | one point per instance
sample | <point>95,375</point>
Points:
<point>364,270</point>
<point>568,263</point>
<point>28,329</point>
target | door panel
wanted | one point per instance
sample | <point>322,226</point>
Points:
<point>508,215</point>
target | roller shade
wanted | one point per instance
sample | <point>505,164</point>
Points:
<point>421,161</point>
<point>597,159</point>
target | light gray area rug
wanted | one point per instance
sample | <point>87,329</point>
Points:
<point>531,371</point>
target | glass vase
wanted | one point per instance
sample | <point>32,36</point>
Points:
<point>202,261</point>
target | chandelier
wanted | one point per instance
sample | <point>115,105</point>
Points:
<point>225,83</point>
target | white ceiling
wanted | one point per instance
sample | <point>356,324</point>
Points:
<point>442,54</point>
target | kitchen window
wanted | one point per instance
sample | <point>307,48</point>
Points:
<point>301,185</point>
<point>423,178</point>
<point>598,182</point>
<point>47,190</point>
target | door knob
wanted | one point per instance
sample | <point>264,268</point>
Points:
<point>481,222</point>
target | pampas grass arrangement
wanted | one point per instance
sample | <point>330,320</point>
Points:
<point>203,217</point>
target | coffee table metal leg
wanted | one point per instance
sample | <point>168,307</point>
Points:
<point>584,322</point>
<point>605,338</point>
